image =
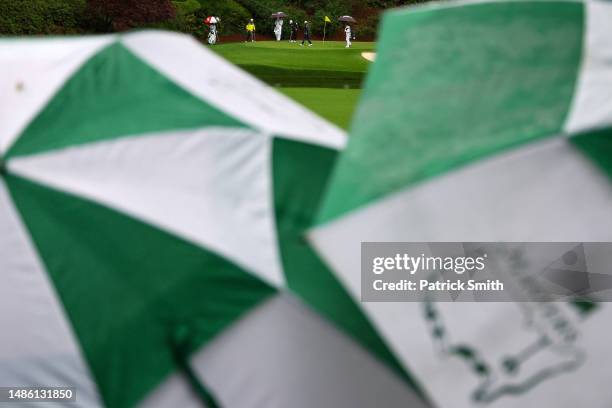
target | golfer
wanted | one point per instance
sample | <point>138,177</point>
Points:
<point>278,28</point>
<point>347,32</point>
<point>306,34</point>
<point>250,29</point>
<point>293,30</point>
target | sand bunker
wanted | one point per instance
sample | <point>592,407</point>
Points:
<point>370,56</point>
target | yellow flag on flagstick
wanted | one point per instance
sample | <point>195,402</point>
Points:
<point>327,20</point>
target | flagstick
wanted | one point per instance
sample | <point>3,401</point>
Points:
<point>324,25</point>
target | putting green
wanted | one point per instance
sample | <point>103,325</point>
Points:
<point>326,77</point>
<point>289,64</point>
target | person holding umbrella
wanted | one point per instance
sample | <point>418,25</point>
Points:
<point>278,28</point>
<point>347,32</point>
<point>250,29</point>
<point>347,28</point>
<point>278,24</point>
<point>212,25</point>
<point>306,34</point>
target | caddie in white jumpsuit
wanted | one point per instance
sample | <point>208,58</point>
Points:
<point>212,34</point>
<point>347,31</point>
<point>278,28</point>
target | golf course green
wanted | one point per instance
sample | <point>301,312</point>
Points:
<point>326,77</point>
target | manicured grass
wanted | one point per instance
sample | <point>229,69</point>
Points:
<point>326,78</point>
<point>282,63</point>
<point>335,105</point>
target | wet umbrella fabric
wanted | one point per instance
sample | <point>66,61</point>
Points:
<point>506,141</point>
<point>145,209</point>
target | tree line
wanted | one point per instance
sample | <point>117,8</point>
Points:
<point>57,17</point>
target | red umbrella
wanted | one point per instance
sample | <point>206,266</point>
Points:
<point>210,20</point>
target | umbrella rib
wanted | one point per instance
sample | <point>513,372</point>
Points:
<point>180,343</point>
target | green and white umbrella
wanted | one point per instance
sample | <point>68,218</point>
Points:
<point>482,121</point>
<point>151,195</point>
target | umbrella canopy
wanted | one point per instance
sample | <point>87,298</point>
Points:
<point>278,14</point>
<point>147,202</point>
<point>515,147</point>
<point>347,19</point>
<point>211,20</point>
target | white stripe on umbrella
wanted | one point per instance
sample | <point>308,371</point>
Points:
<point>32,71</point>
<point>211,187</point>
<point>592,104</point>
<point>498,199</point>
<point>544,192</point>
<point>283,355</point>
<point>227,88</point>
<point>38,345</point>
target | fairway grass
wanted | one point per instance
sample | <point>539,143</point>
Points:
<point>325,78</point>
<point>335,105</point>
